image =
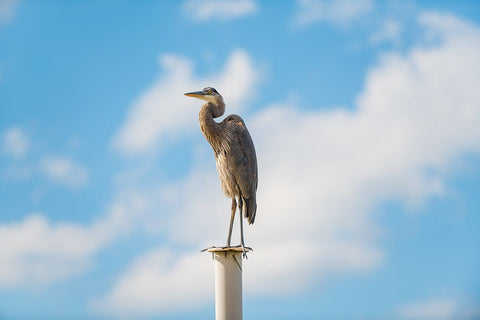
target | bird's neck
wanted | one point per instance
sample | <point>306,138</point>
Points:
<point>209,127</point>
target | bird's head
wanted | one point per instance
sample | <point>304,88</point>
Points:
<point>208,94</point>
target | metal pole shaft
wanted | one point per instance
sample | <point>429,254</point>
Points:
<point>228,285</point>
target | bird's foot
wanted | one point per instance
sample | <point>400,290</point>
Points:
<point>244,252</point>
<point>245,249</point>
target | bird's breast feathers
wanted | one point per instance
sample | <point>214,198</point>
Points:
<point>226,177</point>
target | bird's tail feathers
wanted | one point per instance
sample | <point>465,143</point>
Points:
<point>249,209</point>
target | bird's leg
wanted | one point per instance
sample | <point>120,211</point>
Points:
<point>242,242</point>
<point>241,224</point>
<point>234,208</point>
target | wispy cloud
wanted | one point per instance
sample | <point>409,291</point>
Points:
<point>443,309</point>
<point>6,10</point>
<point>59,169</point>
<point>163,111</point>
<point>205,10</point>
<point>439,309</point>
<point>322,173</point>
<point>64,170</point>
<point>390,31</point>
<point>336,12</point>
<point>15,142</point>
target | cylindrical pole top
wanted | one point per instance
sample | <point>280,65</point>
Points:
<point>228,282</point>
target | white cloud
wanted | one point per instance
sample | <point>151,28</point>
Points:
<point>36,251</point>
<point>163,112</point>
<point>390,32</point>
<point>438,309</point>
<point>64,171</point>
<point>60,169</point>
<point>322,173</point>
<point>430,310</point>
<point>204,10</point>
<point>6,10</point>
<point>336,12</point>
<point>15,142</point>
<point>158,281</point>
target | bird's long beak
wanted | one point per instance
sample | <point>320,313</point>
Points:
<point>195,94</point>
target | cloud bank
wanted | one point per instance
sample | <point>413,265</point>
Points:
<point>38,252</point>
<point>322,175</point>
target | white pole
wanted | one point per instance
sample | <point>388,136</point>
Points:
<point>228,282</point>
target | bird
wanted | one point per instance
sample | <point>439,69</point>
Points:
<point>235,156</point>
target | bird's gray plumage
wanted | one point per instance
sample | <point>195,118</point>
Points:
<point>234,154</point>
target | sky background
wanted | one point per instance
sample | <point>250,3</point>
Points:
<point>365,116</point>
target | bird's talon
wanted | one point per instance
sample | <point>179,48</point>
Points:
<point>244,252</point>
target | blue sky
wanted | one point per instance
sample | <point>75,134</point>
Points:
<point>365,119</point>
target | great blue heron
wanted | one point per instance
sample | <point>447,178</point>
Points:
<point>234,154</point>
